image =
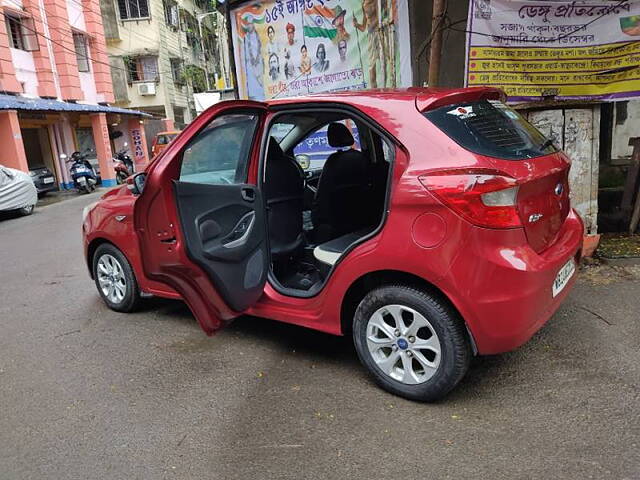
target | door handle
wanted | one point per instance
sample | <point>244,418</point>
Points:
<point>248,194</point>
<point>240,233</point>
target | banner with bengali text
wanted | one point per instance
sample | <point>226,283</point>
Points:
<point>568,50</point>
<point>287,48</point>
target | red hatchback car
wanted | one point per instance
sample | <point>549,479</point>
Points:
<point>432,225</point>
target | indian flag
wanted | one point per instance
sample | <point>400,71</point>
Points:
<point>317,23</point>
<point>252,17</point>
<point>251,14</point>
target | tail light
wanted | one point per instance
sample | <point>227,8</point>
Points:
<point>483,197</point>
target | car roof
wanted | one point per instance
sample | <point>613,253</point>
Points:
<point>424,98</point>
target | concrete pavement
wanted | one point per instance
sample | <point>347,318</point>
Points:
<point>87,393</point>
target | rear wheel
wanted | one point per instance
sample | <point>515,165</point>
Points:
<point>412,343</point>
<point>115,280</point>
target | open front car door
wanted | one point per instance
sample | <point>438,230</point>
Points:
<point>200,223</point>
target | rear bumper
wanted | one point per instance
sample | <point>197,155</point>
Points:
<point>46,187</point>
<point>507,286</point>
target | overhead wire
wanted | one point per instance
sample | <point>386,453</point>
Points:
<point>429,40</point>
<point>72,50</point>
<point>94,47</point>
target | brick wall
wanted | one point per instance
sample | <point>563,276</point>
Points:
<point>101,70</point>
<point>46,83</point>
<point>8,81</point>
<point>63,49</point>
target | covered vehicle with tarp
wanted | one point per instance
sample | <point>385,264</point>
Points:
<point>17,191</point>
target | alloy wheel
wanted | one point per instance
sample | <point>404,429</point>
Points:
<point>403,344</point>
<point>111,278</point>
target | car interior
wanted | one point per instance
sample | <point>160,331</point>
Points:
<point>324,183</point>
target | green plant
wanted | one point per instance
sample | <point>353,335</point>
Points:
<point>130,67</point>
<point>196,77</point>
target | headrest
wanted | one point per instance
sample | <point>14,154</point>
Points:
<point>339,135</point>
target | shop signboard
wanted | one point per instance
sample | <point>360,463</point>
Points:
<point>568,50</point>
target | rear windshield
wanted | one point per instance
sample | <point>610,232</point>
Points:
<point>489,127</point>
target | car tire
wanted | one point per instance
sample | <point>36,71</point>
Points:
<point>28,210</point>
<point>115,280</point>
<point>413,343</point>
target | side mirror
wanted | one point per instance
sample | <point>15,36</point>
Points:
<point>136,183</point>
<point>303,160</point>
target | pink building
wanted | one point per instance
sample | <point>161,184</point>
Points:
<point>56,89</point>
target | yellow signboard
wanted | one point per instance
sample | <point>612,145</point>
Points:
<point>566,50</point>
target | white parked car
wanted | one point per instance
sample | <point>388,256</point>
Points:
<point>17,191</point>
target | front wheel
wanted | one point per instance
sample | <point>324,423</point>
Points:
<point>413,343</point>
<point>28,210</point>
<point>115,279</point>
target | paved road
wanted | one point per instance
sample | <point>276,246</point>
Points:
<point>86,393</point>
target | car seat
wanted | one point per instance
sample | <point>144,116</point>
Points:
<point>284,197</point>
<point>344,188</point>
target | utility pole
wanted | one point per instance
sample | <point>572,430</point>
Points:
<point>435,52</point>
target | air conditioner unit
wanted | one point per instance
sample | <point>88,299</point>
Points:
<point>148,88</point>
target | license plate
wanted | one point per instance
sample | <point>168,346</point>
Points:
<point>82,180</point>
<point>48,180</point>
<point>563,277</point>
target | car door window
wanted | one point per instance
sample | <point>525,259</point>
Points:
<point>219,154</point>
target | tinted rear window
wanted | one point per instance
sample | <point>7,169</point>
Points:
<point>491,128</point>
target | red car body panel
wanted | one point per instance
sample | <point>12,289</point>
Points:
<point>156,221</point>
<point>499,280</point>
<point>101,225</point>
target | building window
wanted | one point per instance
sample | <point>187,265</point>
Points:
<point>171,15</point>
<point>133,9</point>
<point>176,71</point>
<point>82,52</point>
<point>21,32</point>
<point>86,143</point>
<point>142,69</point>
<point>189,25</point>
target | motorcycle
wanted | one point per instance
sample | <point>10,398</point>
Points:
<point>82,173</point>
<point>122,165</point>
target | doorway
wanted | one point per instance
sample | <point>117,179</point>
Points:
<point>37,148</point>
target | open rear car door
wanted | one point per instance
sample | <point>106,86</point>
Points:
<point>200,221</point>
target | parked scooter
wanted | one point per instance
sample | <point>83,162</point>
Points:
<point>82,173</point>
<point>122,165</point>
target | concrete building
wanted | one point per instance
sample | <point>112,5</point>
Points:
<point>56,88</point>
<point>161,53</point>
